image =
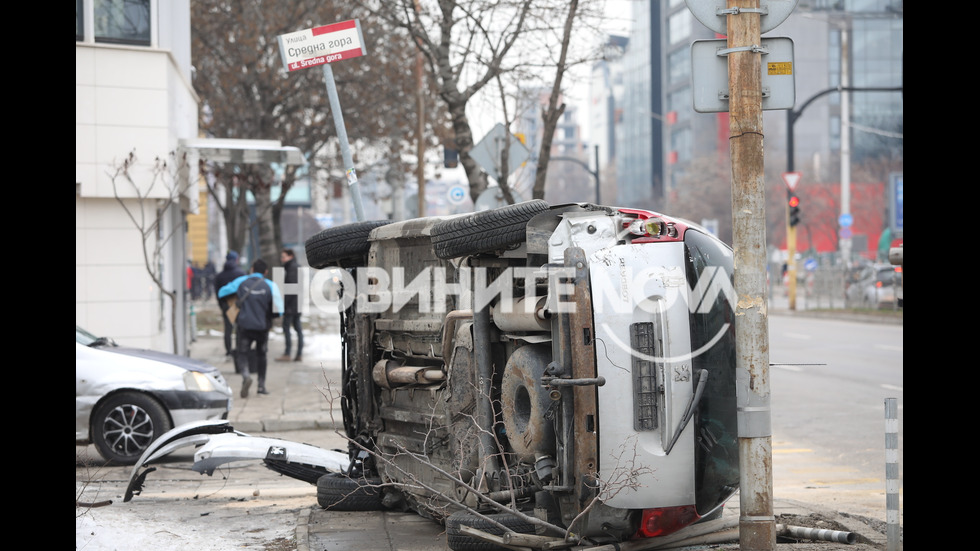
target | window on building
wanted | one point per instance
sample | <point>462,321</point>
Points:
<point>679,102</point>
<point>835,133</point>
<point>680,144</point>
<point>121,21</point>
<point>679,26</point>
<point>679,65</point>
<point>79,21</point>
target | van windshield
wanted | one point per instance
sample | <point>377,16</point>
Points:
<point>713,339</point>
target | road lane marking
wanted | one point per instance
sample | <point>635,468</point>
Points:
<point>788,367</point>
<point>890,347</point>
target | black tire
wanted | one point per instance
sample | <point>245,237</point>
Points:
<point>126,424</point>
<point>345,246</point>
<point>339,492</point>
<point>485,231</point>
<point>463,542</point>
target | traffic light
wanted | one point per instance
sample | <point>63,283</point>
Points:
<point>794,210</point>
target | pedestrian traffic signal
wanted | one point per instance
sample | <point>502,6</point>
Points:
<point>794,210</point>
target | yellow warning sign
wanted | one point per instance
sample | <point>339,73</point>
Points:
<point>780,68</point>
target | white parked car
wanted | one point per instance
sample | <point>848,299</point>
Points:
<point>125,398</point>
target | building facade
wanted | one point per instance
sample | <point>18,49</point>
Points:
<point>133,96</point>
<point>854,44</point>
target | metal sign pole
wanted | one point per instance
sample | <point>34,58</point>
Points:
<point>338,121</point>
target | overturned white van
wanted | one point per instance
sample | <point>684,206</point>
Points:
<point>561,370</point>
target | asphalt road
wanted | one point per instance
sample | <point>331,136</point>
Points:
<point>829,385</point>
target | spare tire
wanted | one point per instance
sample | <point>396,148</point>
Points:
<point>344,246</point>
<point>485,231</point>
<point>525,403</point>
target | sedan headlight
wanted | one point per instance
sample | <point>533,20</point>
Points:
<point>195,380</point>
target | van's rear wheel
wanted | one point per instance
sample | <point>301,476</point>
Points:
<point>458,541</point>
<point>344,246</point>
<point>485,231</point>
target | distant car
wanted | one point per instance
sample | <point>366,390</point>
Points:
<point>875,287</point>
<point>125,398</point>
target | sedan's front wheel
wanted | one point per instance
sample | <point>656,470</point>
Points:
<point>125,424</point>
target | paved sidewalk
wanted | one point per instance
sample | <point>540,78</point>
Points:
<point>299,392</point>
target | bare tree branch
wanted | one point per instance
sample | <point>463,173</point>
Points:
<point>153,241</point>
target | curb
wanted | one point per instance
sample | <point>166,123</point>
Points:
<point>302,537</point>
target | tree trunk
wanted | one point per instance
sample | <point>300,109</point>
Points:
<point>464,143</point>
<point>235,212</point>
<point>263,220</point>
<point>554,111</point>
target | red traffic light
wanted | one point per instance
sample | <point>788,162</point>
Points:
<point>794,201</point>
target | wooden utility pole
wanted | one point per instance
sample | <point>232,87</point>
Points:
<point>757,525</point>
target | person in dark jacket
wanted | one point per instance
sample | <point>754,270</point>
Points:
<point>259,302</point>
<point>291,314</point>
<point>229,273</point>
<point>207,279</point>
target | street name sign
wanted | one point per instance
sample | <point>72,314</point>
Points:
<point>320,45</point>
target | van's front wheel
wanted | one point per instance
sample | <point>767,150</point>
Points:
<point>339,492</point>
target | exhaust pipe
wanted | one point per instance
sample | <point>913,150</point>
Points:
<point>389,374</point>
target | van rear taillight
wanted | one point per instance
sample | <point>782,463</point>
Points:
<point>650,227</point>
<point>665,520</point>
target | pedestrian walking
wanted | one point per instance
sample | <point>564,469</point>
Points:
<point>207,279</point>
<point>229,272</point>
<point>291,313</point>
<point>259,302</point>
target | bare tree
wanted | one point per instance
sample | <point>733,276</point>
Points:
<point>704,191</point>
<point>553,111</point>
<point>466,45</point>
<point>246,93</point>
<point>152,202</point>
<point>222,183</point>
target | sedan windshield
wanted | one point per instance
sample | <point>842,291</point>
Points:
<point>84,337</point>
